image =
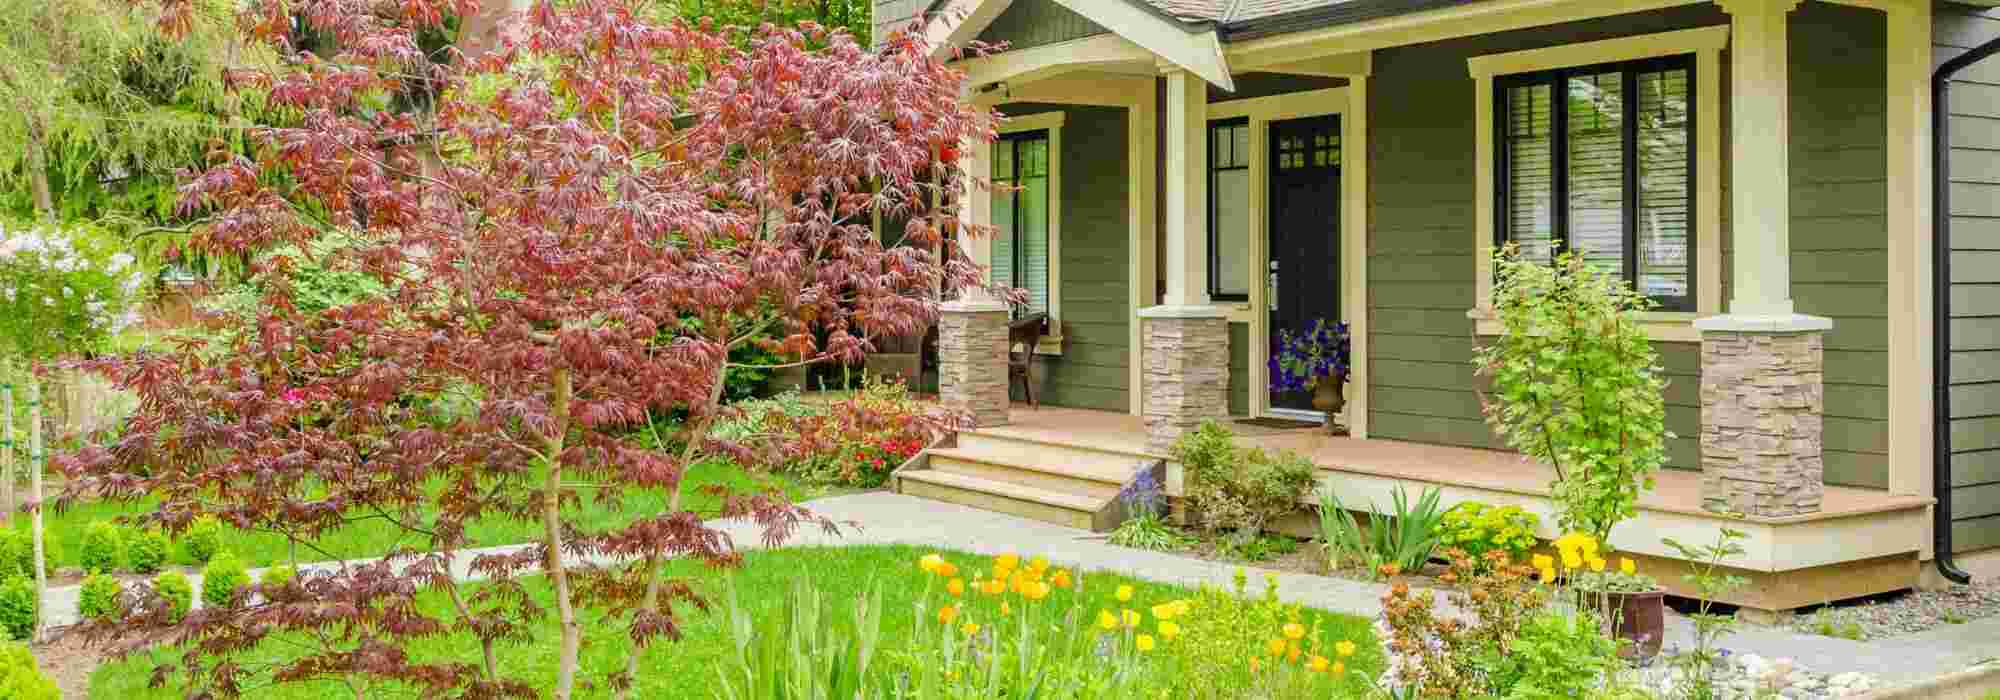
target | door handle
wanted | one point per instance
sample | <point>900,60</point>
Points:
<point>1271,287</point>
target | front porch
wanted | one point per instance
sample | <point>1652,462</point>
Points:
<point>1862,541</point>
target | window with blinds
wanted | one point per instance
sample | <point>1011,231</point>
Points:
<point>1599,161</point>
<point>1021,215</point>
<point>1230,268</point>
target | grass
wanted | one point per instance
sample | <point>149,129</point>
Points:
<point>370,538</point>
<point>688,669</point>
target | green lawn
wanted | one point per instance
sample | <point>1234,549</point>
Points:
<point>372,538</point>
<point>688,669</point>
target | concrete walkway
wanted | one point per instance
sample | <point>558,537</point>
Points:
<point>887,518</point>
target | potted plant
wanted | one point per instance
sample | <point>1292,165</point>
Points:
<point>1631,604</point>
<point>1315,360</point>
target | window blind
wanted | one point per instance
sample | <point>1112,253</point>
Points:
<point>1664,185</point>
<point>1021,216</point>
<point>1530,163</point>
<point>1596,157</point>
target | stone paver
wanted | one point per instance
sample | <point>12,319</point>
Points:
<point>886,518</point>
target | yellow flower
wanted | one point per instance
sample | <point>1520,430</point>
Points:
<point>1319,664</point>
<point>1338,668</point>
<point>1038,565</point>
<point>1130,617</point>
<point>994,587</point>
<point>1589,545</point>
<point>931,563</point>
<point>1548,574</point>
<point>1006,562</point>
<point>969,628</point>
<point>1254,666</point>
<point>1544,561</point>
<point>1294,631</point>
<point>1597,564</point>
<point>1344,648</point>
<point>956,586</point>
<point>947,570</point>
<point>1144,642</point>
<point>1169,630</point>
<point>1107,620</point>
<point>1004,610</point>
<point>947,613</point>
<point>1276,647</point>
<point>1124,594</point>
<point>1061,578</point>
<point>1625,564</point>
<point>1572,560</point>
<point>1165,611</point>
<point>1292,652</point>
<point>1036,590</point>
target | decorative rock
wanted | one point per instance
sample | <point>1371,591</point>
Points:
<point>1761,431</point>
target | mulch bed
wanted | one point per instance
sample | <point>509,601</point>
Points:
<point>68,661</point>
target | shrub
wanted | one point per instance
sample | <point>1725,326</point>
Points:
<point>98,598</point>
<point>102,547</point>
<point>203,538</point>
<point>1402,539</point>
<point>175,591</point>
<point>277,576</point>
<point>856,441</point>
<point>222,578</point>
<point>1555,656</point>
<point>1232,488</point>
<point>1435,655</point>
<point>20,678</point>
<point>1576,385</point>
<point>1145,525</point>
<point>147,551</point>
<point>19,607</point>
<point>1477,528</point>
<point>17,552</point>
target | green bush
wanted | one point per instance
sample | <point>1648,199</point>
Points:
<point>1232,488</point>
<point>277,576</point>
<point>224,576</point>
<point>17,552</point>
<point>174,588</point>
<point>18,607</point>
<point>1477,528</point>
<point>20,679</point>
<point>1555,656</point>
<point>102,547</point>
<point>147,551</point>
<point>98,598</point>
<point>203,538</point>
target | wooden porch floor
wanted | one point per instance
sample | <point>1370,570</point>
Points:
<point>1675,490</point>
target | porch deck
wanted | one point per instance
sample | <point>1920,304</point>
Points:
<point>1862,542</point>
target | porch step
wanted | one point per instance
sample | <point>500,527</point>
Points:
<point>1001,496</point>
<point>1066,484</point>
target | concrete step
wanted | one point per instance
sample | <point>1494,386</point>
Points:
<point>1108,465</point>
<point>1059,507</point>
<point>1094,480</point>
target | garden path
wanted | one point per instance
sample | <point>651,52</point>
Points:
<point>887,518</point>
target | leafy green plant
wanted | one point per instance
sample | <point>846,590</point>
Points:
<point>1477,528</point>
<point>1259,548</point>
<point>1239,489</point>
<point>1711,582</point>
<point>1403,538</point>
<point>277,576</point>
<point>1145,525</point>
<point>1557,656</point>
<point>203,538</point>
<point>103,547</point>
<point>20,608</point>
<point>17,553</point>
<point>222,579</point>
<point>147,551</point>
<point>798,652</point>
<point>175,592</point>
<point>98,598</point>
<point>20,678</point>
<point>1576,385</point>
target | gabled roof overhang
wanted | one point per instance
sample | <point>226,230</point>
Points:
<point>1166,41</point>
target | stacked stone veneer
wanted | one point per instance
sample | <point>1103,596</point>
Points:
<point>1762,397</point>
<point>1187,372</point>
<point>972,360</point>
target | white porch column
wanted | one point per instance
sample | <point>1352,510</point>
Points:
<point>1762,394</point>
<point>1186,339</point>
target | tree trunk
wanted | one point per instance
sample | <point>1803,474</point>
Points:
<point>37,166</point>
<point>552,538</point>
<point>35,484</point>
<point>7,450</point>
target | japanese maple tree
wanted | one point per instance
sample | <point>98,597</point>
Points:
<point>570,241</point>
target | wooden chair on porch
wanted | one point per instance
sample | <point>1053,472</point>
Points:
<point>1026,332</point>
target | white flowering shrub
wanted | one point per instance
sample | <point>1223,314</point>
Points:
<point>62,292</point>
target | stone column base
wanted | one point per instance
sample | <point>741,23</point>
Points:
<point>972,360</point>
<point>1762,402</point>
<point>1187,371</point>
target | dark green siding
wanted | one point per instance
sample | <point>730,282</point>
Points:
<point>1840,236</point>
<point>1094,369</point>
<point>1028,23</point>
<point>1420,266</point>
<point>1239,369</point>
<point>1975,293</point>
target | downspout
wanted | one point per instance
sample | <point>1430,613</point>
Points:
<point>1941,304</point>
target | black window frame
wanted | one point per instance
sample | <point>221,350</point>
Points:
<point>1557,80</point>
<point>1215,292</point>
<point>1018,265</point>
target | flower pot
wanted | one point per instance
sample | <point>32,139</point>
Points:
<point>1329,397</point>
<point>1639,618</point>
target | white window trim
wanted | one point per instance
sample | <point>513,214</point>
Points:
<point>1706,44</point>
<point>1051,343</point>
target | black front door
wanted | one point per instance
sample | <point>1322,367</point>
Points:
<point>1303,283</point>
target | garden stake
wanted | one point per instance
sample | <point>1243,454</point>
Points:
<point>35,458</point>
<point>7,502</point>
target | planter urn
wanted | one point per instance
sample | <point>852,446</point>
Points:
<point>1329,396</point>
<point>1638,618</point>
